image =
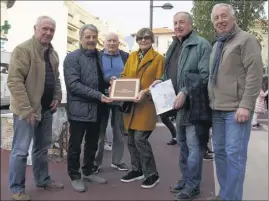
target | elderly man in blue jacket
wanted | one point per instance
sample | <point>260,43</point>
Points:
<point>113,61</point>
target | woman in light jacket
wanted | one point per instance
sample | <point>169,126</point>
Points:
<point>147,65</point>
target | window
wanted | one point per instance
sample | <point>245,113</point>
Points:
<point>168,43</point>
<point>70,17</point>
<point>156,41</point>
<point>82,22</point>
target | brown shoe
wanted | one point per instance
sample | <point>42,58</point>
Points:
<point>52,186</point>
<point>21,196</point>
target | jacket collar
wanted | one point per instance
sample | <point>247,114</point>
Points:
<point>106,53</point>
<point>41,47</point>
<point>191,40</point>
<point>149,56</point>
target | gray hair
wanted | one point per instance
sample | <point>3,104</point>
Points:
<point>90,27</point>
<point>44,17</point>
<point>230,8</point>
<point>187,14</point>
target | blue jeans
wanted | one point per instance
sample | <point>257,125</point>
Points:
<point>230,143</point>
<point>23,134</point>
<point>190,156</point>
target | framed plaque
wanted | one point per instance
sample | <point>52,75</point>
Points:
<point>125,89</point>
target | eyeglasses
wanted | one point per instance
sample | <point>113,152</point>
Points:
<point>144,37</point>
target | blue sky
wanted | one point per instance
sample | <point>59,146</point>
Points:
<point>129,16</point>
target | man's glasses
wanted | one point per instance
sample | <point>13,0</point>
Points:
<point>144,37</point>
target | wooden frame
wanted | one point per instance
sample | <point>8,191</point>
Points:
<point>124,89</point>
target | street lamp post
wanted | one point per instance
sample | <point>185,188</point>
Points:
<point>166,6</point>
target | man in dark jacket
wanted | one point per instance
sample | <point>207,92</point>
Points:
<point>113,61</point>
<point>85,97</point>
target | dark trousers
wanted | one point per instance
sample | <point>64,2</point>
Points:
<point>77,131</point>
<point>165,117</point>
<point>142,158</point>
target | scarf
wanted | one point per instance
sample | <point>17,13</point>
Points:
<point>217,56</point>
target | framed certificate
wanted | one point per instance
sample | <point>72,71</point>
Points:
<point>124,89</point>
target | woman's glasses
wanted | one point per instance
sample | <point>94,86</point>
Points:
<point>141,38</point>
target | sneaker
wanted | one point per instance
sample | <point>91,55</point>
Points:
<point>208,157</point>
<point>177,187</point>
<point>21,196</point>
<point>52,186</point>
<point>172,142</point>
<point>94,178</point>
<point>108,147</point>
<point>121,167</point>
<point>256,125</point>
<point>132,176</point>
<point>78,185</point>
<point>95,169</point>
<point>150,182</point>
<point>187,194</point>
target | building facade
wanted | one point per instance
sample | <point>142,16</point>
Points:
<point>163,37</point>
<point>77,17</point>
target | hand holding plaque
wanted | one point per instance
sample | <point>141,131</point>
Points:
<point>140,96</point>
<point>125,89</point>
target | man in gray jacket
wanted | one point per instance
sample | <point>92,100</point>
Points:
<point>234,84</point>
<point>85,98</point>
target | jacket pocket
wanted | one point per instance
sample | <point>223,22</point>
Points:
<point>79,109</point>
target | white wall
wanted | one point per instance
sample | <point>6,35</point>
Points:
<point>163,43</point>
<point>22,17</point>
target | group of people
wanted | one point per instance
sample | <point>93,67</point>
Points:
<point>216,87</point>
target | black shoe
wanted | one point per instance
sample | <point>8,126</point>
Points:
<point>95,169</point>
<point>150,182</point>
<point>177,187</point>
<point>172,142</point>
<point>187,194</point>
<point>256,125</point>
<point>207,156</point>
<point>132,176</point>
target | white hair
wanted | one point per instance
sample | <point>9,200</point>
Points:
<point>39,19</point>
<point>230,8</point>
<point>111,34</point>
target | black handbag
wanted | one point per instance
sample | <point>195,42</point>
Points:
<point>127,107</point>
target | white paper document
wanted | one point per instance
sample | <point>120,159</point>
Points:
<point>163,96</point>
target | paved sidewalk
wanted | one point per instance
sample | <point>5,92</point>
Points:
<point>167,165</point>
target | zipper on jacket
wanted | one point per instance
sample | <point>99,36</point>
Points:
<point>111,62</point>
